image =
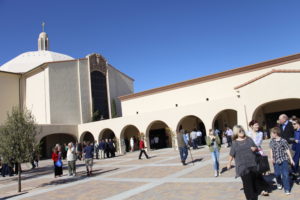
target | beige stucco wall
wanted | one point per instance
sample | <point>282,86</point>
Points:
<point>9,97</point>
<point>214,90</point>
<point>118,85</point>
<point>192,101</point>
<point>37,96</point>
<point>70,94</point>
<point>47,129</point>
<point>274,87</point>
<point>85,90</point>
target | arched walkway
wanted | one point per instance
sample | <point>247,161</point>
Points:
<point>190,123</point>
<point>49,141</point>
<point>225,118</point>
<point>87,136</point>
<point>267,114</point>
<point>106,134</point>
<point>129,132</point>
<point>158,135</point>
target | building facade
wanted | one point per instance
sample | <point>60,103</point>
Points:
<point>64,94</point>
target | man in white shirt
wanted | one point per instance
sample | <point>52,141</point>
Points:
<point>199,135</point>
<point>228,134</point>
<point>194,138</point>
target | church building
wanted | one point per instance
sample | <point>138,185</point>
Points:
<point>88,99</point>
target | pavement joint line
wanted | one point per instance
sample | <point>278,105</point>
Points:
<point>71,184</point>
<point>143,188</point>
<point>174,180</point>
<point>150,182</point>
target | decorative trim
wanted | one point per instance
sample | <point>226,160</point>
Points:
<point>267,74</point>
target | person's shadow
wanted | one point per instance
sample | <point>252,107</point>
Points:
<point>225,169</point>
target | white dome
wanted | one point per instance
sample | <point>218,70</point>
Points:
<point>43,34</point>
<point>30,60</point>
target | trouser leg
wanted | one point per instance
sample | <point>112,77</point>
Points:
<point>248,185</point>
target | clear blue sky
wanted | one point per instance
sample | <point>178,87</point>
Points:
<point>157,42</point>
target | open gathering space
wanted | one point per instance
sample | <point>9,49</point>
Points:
<point>125,177</point>
<point>134,100</point>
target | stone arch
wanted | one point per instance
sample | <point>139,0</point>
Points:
<point>191,122</point>
<point>107,134</point>
<point>227,117</point>
<point>49,141</point>
<point>158,129</point>
<point>87,136</point>
<point>267,113</point>
<point>128,132</point>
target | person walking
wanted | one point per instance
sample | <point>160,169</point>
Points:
<point>286,129</point>
<point>255,134</point>
<point>214,144</point>
<point>199,135</point>
<point>57,161</point>
<point>111,147</point>
<point>296,147</point>
<point>228,134</point>
<point>131,144</point>
<point>88,152</point>
<point>106,148</point>
<point>194,139</point>
<point>142,149</point>
<point>242,151</point>
<point>182,145</point>
<point>280,155</point>
<point>101,149</point>
<point>71,158</point>
<point>257,137</point>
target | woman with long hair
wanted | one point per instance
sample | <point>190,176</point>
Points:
<point>243,152</point>
<point>214,144</point>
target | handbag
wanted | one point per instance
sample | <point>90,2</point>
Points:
<point>262,163</point>
<point>58,163</point>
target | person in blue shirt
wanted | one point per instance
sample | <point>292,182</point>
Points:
<point>296,147</point>
<point>88,155</point>
<point>101,149</point>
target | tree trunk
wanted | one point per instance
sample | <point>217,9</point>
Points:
<point>19,177</point>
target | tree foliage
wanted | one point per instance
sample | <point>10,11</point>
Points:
<point>114,113</point>
<point>18,137</point>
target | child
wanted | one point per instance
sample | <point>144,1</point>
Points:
<point>280,154</point>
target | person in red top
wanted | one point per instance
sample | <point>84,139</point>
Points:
<point>56,157</point>
<point>142,149</point>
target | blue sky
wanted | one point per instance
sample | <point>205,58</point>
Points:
<point>156,42</point>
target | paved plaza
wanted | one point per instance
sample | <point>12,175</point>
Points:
<point>126,177</point>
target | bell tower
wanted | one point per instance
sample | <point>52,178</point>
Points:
<point>43,41</point>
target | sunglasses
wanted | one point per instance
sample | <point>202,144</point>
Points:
<point>294,123</point>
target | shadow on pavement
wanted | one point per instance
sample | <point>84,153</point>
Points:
<point>196,160</point>
<point>80,176</point>
<point>15,195</point>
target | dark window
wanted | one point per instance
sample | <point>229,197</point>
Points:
<point>99,95</point>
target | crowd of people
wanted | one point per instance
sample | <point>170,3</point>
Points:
<point>245,149</point>
<point>249,156</point>
<point>85,151</point>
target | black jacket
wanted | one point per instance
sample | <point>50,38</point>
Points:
<point>288,132</point>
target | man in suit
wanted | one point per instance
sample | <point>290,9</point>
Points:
<point>286,127</point>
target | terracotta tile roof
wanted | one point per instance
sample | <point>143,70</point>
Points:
<point>266,74</point>
<point>236,71</point>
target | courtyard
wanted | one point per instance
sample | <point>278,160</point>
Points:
<point>125,177</point>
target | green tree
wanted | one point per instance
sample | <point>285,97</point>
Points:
<point>114,109</point>
<point>18,142</point>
